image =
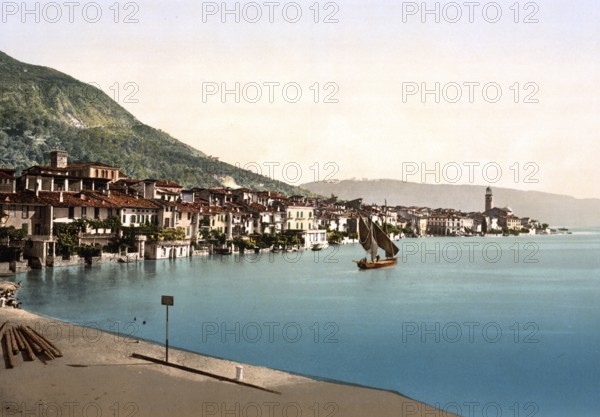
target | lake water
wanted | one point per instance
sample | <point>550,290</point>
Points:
<point>478,326</point>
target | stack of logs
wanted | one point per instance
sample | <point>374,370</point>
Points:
<point>24,339</point>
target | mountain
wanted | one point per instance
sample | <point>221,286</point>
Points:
<point>42,109</point>
<point>549,208</point>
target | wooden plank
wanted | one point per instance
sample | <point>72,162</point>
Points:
<point>15,346</point>
<point>3,329</point>
<point>199,372</point>
<point>44,348</point>
<point>56,351</point>
<point>17,333</point>
<point>27,347</point>
<point>37,348</point>
<point>8,350</point>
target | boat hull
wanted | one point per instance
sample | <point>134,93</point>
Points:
<point>382,263</point>
<point>318,246</point>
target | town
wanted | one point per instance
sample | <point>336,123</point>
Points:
<point>75,213</point>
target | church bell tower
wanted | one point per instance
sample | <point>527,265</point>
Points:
<point>489,199</point>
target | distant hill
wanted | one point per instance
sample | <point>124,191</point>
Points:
<point>554,209</point>
<point>42,109</point>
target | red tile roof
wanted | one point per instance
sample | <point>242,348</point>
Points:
<point>257,207</point>
<point>166,183</point>
<point>124,200</point>
<point>191,207</point>
<point>25,197</point>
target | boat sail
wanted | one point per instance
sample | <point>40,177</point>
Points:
<point>372,237</point>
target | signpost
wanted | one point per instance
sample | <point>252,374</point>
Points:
<point>167,300</point>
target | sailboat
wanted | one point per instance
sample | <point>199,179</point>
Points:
<point>372,237</point>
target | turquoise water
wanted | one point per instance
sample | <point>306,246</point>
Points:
<point>512,327</point>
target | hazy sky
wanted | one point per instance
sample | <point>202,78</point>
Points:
<point>372,63</point>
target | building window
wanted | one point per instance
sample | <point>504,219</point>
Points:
<point>71,212</point>
<point>124,219</point>
<point>96,212</point>
<point>83,212</point>
<point>24,212</point>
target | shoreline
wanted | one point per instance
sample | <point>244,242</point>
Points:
<point>97,371</point>
<point>114,259</point>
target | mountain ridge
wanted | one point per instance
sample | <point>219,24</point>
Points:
<point>555,209</point>
<point>43,109</point>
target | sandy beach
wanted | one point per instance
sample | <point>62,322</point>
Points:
<point>97,376</point>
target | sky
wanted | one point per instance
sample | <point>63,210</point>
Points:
<point>489,93</point>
